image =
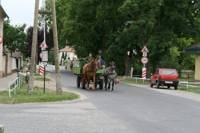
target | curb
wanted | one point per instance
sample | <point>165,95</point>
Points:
<point>81,96</point>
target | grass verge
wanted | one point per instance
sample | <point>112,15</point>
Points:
<point>135,81</point>
<point>190,89</point>
<point>37,96</point>
<point>41,78</point>
<point>145,82</point>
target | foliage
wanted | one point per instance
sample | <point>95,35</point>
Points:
<point>51,57</point>
<point>15,37</point>
<point>116,26</point>
<point>49,40</point>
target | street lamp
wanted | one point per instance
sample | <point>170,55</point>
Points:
<point>44,51</point>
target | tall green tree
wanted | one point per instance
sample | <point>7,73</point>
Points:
<point>116,26</point>
<point>15,37</point>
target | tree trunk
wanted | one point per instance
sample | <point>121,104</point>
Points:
<point>34,44</point>
<point>55,39</point>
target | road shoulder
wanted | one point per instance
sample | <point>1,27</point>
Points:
<point>178,93</point>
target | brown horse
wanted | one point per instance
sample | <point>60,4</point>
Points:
<point>89,73</point>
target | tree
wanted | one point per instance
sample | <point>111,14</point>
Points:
<point>121,25</point>
<point>15,37</point>
<point>49,40</point>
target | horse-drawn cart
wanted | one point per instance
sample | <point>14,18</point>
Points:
<point>78,71</point>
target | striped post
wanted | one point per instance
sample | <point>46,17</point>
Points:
<point>41,69</point>
<point>144,73</point>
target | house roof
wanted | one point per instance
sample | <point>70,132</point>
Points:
<point>67,49</point>
<point>194,49</point>
<point>2,11</point>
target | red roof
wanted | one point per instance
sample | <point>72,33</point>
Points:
<point>67,49</point>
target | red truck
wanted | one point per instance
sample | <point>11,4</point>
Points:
<point>165,77</point>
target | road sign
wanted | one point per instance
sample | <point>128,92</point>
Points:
<point>144,60</point>
<point>43,45</point>
<point>44,55</point>
<point>144,51</point>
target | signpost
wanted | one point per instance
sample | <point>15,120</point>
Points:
<point>144,61</point>
<point>42,68</point>
<point>44,54</point>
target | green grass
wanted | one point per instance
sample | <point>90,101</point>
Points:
<point>41,78</point>
<point>37,96</point>
<point>190,89</point>
<point>145,82</point>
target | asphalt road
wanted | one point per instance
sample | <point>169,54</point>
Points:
<point>144,110</point>
<point>127,109</point>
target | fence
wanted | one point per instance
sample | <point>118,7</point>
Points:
<point>184,83</point>
<point>188,84</point>
<point>15,84</point>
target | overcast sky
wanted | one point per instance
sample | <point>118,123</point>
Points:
<point>19,11</point>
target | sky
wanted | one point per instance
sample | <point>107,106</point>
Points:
<point>19,11</point>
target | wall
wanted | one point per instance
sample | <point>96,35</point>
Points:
<point>197,68</point>
<point>11,64</point>
<point>1,47</point>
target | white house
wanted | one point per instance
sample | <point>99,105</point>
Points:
<point>67,52</point>
<point>8,61</point>
<point>3,15</point>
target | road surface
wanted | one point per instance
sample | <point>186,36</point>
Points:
<point>127,109</point>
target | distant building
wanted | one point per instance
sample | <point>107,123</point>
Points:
<point>67,52</point>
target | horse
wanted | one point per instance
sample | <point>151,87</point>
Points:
<point>110,78</point>
<point>89,73</point>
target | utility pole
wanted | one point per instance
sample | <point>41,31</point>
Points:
<point>34,44</point>
<point>55,38</point>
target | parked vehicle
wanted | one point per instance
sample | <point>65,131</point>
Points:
<point>165,77</point>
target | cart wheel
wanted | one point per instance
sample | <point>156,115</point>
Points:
<point>83,84</point>
<point>101,84</point>
<point>78,81</point>
<point>176,86</point>
<point>151,85</point>
<point>157,85</point>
